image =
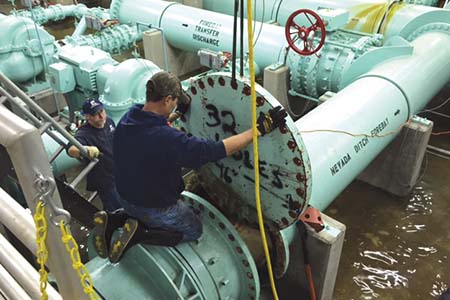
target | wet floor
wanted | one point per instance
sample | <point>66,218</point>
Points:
<point>396,248</point>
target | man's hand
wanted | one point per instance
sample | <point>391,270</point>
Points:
<point>92,151</point>
<point>184,102</point>
<point>274,118</point>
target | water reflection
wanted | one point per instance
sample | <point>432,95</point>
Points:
<point>400,250</point>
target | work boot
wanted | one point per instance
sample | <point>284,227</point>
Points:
<point>123,241</point>
<point>99,232</point>
<point>104,226</point>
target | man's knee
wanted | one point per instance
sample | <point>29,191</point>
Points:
<point>194,232</point>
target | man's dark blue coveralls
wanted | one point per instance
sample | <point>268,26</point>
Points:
<point>101,177</point>
<point>148,158</point>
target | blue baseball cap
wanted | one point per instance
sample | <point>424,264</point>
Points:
<point>92,106</point>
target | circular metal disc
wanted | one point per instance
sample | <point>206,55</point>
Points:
<point>221,109</point>
<point>223,253</point>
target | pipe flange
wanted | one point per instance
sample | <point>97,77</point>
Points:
<point>221,108</point>
<point>221,247</point>
<point>115,8</point>
<point>433,27</point>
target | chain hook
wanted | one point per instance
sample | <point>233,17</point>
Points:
<point>46,187</point>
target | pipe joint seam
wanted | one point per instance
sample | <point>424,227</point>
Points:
<point>433,27</point>
<point>394,84</point>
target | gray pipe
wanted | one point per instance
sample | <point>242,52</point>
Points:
<point>10,287</point>
<point>18,221</point>
<point>23,272</point>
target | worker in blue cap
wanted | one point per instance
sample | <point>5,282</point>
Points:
<point>97,137</point>
<point>148,159</point>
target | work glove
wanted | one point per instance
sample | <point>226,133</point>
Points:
<point>274,118</point>
<point>184,102</point>
<point>92,151</point>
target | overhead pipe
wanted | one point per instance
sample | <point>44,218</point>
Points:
<point>24,273</point>
<point>57,12</point>
<point>113,40</point>
<point>370,16</point>
<point>192,29</point>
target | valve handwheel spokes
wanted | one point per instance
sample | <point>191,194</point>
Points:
<point>307,33</point>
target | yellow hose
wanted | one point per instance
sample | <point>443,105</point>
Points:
<point>255,148</point>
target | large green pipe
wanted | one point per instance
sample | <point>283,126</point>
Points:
<point>315,158</point>
<point>192,29</point>
<point>218,266</point>
<point>63,161</point>
<point>120,87</point>
<point>22,43</point>
<point>370,16</point>
<point>113,40</point>
<point>380,101</point>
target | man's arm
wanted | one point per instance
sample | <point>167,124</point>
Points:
<point>92,151</point>
<point>266,123</point>
<point>173,116</point>
<point>239,141</point>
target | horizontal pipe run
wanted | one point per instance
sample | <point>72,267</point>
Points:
<point>22,271</point>
<point>192,29</point>
<point>10,287</point>
<point>376,104</point>
<point>17,220</point>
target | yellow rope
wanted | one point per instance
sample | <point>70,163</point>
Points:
<point>255,149</point>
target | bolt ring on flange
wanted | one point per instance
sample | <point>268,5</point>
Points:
<point>220,109</point>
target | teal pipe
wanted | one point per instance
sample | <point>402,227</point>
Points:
<point>124,85</point>
<point>218,266</point>
<point>20,48</point>
<point>192,29</point>
<point>365,15</point>
<point>21,52</point>
<point>59,12</point>
<point>81,28</point>
<point>379,101</point>
<point>113,40</point>
<point>311,76</point>
<point>63,162</point>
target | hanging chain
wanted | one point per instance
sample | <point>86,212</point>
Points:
<point>60,217</point>
<point>42,253</point>
<point>78,266</point>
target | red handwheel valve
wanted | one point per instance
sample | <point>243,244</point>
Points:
<point>305,33</point>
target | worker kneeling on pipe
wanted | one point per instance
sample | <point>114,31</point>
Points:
<point>149,156</point>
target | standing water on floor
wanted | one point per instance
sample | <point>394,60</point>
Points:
<point>396,248</point>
